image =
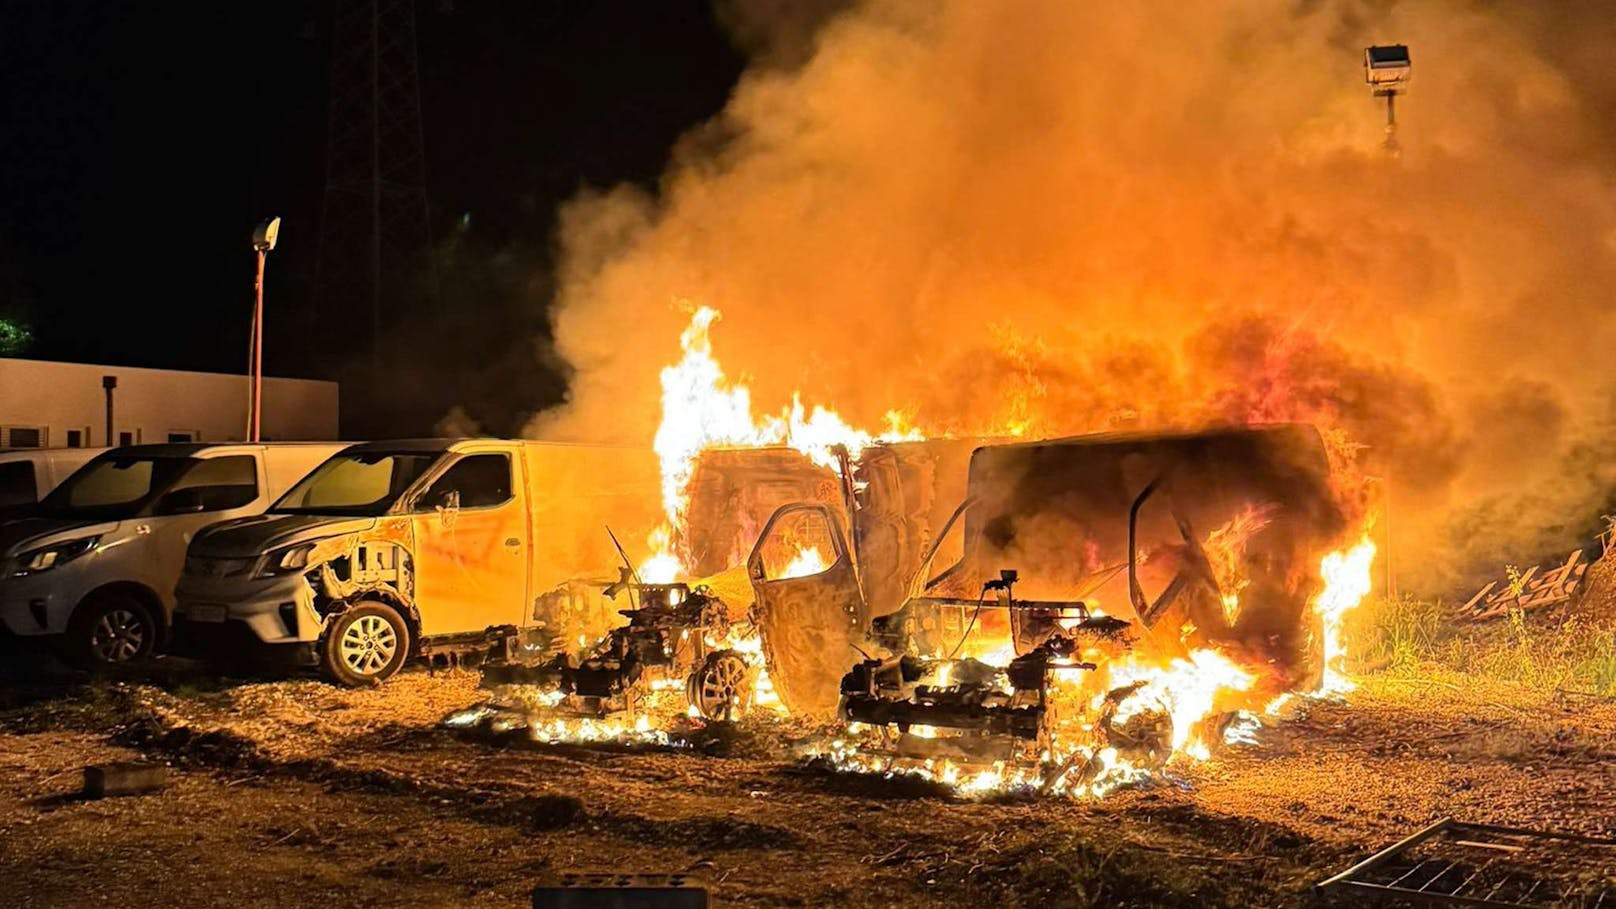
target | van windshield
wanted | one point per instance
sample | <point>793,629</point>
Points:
<point>113,488</point>
<point>361,484</point>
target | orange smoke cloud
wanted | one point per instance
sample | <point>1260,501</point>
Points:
<point>1077,217</point>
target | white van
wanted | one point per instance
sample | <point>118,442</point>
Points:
<point>95,562</point>
<point>28,474</point>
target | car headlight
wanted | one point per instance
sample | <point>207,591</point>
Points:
<point>286,560</point>
<point>45,558</point>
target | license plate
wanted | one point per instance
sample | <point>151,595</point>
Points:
<point>205,612</point>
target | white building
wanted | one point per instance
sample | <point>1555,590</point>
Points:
<point>44,404</point>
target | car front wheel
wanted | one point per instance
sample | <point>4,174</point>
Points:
<point>111,629</point>
<point>366,645</point>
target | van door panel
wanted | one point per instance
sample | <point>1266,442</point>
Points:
<point>224,487</point>
<point>470,554</point>
<point>809,620</point>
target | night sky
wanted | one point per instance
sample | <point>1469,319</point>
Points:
<point>144,140</point>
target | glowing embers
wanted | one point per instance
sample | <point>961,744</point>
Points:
<point>1186,690</point>
<point>527,711</point>
<point>966,725</point>
<point>678,664</point>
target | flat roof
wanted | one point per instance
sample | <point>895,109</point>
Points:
<point>24,361</point>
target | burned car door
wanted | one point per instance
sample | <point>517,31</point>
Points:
<point>809,608</point>
<point>471,542</point>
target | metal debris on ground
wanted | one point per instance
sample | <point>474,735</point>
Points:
<point>128,778</point>
<point>1455,863</point>
<point>623,891</point>
<point>1528,591</point>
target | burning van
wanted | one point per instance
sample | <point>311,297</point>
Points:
<point>390,549</point>
<point>1148,567</point>
<point>700,639</point>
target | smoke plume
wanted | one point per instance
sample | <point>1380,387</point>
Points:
<point>1071,217</point>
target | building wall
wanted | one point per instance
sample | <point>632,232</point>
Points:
<point>152,404</point>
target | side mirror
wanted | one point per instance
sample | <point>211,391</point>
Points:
<point>447,505</point>
<point>181,501</point>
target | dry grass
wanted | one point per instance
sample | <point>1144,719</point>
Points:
<point>1556,650</point>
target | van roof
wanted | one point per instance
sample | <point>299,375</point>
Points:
<point>1302,430</point>
<point>17,453</point>
<point>424,445</point>
<point>441,445</point>
<point>188,449</point>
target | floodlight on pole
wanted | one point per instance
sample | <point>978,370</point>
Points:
<point>263,240</point>
<point>1387,69</point>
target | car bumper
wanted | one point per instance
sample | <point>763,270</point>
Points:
<point>229,643</point>
<point>272,610</point>
<point>32,606</point>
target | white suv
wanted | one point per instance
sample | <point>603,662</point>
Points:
<point>94,565</point>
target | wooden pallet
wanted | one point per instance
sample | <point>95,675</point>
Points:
<point>1531,591</point>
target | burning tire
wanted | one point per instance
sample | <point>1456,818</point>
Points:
<point>366,645</point>
<point>721,687</point>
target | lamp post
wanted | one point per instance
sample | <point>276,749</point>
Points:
<point>263,241</point>
<point>1387,68</point>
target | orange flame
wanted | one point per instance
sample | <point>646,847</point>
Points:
<point>807,561</point>
<point>702,408</point>
<point>1225,549</point>
<point>1347,581</point>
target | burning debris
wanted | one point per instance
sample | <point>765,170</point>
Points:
<point>1183,586</point>
<point>1023,724</point>
<point>678,640</point>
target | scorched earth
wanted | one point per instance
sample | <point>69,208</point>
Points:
<point>296,793</point>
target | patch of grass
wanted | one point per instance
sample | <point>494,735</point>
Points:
<point>1396,633</point>
<point>1548,651</point>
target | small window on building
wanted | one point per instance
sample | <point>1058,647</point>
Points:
<point>75,438</point>
<point>129,437</point>
<point>181,436</point>
<point>22,437</point>
<point>475,481</point>
<point>17,487</point>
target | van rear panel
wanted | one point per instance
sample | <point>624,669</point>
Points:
<point>575,492</point>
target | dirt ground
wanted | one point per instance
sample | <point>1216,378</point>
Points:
<point>296,793</point>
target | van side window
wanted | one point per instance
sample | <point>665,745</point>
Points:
<point>17,484</point>
<point>214,484</point>
<point>479,480</point>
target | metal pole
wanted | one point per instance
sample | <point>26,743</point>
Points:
<point>258,351</point>
<point>1391,576</point>
<point>252,348</point>
<point>108,383</point>
<point>375,188</point>
<point>1391,122</point>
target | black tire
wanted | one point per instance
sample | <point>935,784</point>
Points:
<point>111,629</point>
<point>366,645</point>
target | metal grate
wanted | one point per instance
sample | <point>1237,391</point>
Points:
<point>1455,863</point>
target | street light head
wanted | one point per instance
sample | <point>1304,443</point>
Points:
<point>265,234</point>
<point>1387,66</point>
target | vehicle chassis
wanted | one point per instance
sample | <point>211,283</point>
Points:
<point>962,708</point>
<point>676,636</point>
